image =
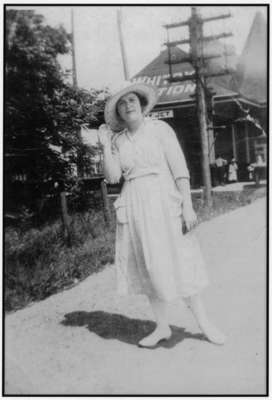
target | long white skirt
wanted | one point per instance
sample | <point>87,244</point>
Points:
<point>153,256</point>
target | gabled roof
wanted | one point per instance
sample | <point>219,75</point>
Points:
<point>159,67</point>
<point>252,66</point>
<point>157,73</point>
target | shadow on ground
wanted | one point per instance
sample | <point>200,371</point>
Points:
<point>120,327</point>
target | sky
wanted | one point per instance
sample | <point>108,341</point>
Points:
<point>97,46</point>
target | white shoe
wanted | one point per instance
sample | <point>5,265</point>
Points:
<point>155,337</point>
<point>213,334</point>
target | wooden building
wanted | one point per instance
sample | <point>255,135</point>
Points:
<point>237,107</point>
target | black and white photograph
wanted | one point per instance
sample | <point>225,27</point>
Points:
<point>135,229</point>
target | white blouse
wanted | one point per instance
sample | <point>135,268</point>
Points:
<point>152,149</point>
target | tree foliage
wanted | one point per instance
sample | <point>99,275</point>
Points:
<point>42,110</point>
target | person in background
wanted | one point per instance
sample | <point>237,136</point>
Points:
<point>250,169</point>
<point>152,255</point>
<point>258,168</point>
<point>232,171</point>
<point>221,169</point>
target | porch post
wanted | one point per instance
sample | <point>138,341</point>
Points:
<point>211,144</point>
<point>234,147</point>
<point>247,143</point>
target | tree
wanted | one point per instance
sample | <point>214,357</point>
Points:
<point>41,110</point>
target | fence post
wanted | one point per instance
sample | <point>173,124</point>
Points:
<point>106,204</point>
<point>65,218</point>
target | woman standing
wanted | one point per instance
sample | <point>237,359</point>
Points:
<point>232,173</point>
<point>153,256</point>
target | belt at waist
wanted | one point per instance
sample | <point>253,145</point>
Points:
<point>140,173</point>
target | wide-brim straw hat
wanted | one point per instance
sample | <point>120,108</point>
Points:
<point>150,93</point>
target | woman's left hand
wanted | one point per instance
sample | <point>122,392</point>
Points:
<point>190,217</point>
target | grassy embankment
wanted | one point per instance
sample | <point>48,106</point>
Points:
<point>38,263</point>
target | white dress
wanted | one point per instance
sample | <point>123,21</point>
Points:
<point>152,256</point>
<point>232,172</point>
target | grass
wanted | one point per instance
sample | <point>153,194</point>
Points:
<point>224,202</point>
<point>38,263</point>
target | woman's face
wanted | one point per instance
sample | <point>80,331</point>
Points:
<point>129,108</point>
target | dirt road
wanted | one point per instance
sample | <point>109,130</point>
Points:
<point>84,340</point>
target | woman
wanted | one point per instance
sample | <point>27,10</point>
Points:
<point>153,256</point>
<point>232,173</point>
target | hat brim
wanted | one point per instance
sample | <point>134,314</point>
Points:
<point>149,92</point>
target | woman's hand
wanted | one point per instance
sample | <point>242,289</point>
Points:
<point>105,135</point>
<point>190,217</point>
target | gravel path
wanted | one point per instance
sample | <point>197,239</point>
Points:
<point>84,340</point>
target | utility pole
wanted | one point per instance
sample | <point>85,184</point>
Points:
<point>197,58</point>
<point>74,71</point>
<point>122,44</point>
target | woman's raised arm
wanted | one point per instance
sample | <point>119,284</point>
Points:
<point>112,168</point>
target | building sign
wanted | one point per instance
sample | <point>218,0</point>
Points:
<point>169,92</point>
<point>162,114</point>
<point>161,80</point>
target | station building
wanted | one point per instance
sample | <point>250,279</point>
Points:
<point>237,107</point>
